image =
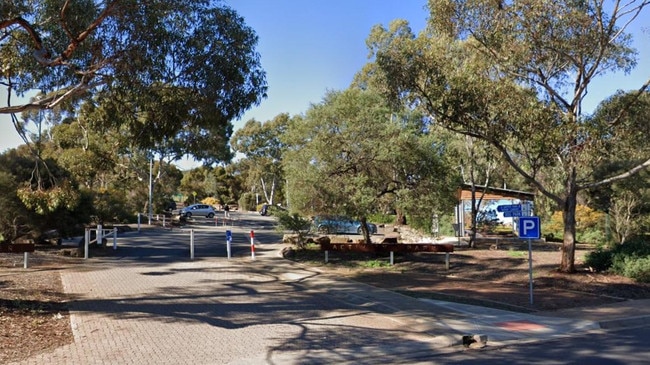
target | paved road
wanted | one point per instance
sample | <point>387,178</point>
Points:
<point>150,304</point>
<point>621,347</point>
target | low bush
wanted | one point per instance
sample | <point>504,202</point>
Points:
<point>294,223</point>
<point>637,268</point>
<point>630,259</point>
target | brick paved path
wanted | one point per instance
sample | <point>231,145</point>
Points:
<point>150,304</point>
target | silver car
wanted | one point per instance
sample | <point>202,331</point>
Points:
<point>203,210</point>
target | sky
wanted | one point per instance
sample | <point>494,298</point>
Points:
<point>308,47</point>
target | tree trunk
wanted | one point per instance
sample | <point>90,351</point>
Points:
<point>569,243</point>
<point>472,235</point>
<point>365,231</point>
<point>400,218</point>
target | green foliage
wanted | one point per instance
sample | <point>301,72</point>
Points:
<point>637,268</point>
<point>590,225</point>
<point>516,254</point>
<point>187,67</point>
<point>374,264</point>
<point>383,159</point>
<point>294,223</point>
<point>13,211</point>
<point>510,81</point>
<point>262,145</point>
<point>247,202</point>
<point>43,201</point>
<point>111,206</point>
<point>381,218</point>
<point>423,224</point>
<point>630,259</point>
<point>599,259</point>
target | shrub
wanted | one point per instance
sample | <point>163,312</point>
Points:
<point>631,259</point>
<point>590,225</point>
<point>637,268</point>
<point>381,218</point>
<point>247,202</point>
<point>294,223</point>
<point>212,201</point>
<point>599,260</point>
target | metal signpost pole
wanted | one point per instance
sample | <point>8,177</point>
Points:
<point>529,228</point>
<point>530,269</point>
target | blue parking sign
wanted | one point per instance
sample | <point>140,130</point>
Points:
<point>228,235</point>
<point>529,227</point>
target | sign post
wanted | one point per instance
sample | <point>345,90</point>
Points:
<point>529,228</point>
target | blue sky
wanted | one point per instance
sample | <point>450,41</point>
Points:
<point>310,46</point>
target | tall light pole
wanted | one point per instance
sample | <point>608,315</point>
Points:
<point>150,189</point>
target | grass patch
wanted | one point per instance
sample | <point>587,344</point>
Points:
<point>517,254</point>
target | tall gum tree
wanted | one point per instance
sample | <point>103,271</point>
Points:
<point>171,75</point>
<point>262,146</point>
<point>515,74</point>
<point>164,68</point>
<point>352,151</point>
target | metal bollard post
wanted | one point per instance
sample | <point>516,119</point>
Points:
<point>100,236</point>
<point>26,260</point>
<point>228,242</point>
<point>191,244</point>
<point>86,240</point>
<point>139,218</point>
<point>252,245</point>
<point>114,238</point>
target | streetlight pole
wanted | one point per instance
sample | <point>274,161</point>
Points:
<point>150,189</point>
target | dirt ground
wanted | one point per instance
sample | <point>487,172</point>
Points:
<point>34,317</point>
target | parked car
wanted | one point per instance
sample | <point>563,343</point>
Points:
<point>198,210</point>
<point>340,224</point>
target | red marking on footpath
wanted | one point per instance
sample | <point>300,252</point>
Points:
<point>521,326</point>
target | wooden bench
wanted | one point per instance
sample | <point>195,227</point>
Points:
<point>24,248</point>
<point>447,248</point>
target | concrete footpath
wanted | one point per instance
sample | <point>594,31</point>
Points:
<point>151,304</point>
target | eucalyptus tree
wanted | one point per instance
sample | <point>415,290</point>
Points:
<point>625,201</point>
<point>515,74</point>
<point>261,145</point>
<point>159,70</point>
<point>351,151</point>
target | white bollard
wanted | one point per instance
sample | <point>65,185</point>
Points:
<point>228,243</point>
<point>86,240</point>
<point>100,236</point>
<point>139,218</point>
<point>191,244</point>
<point>392,261</point>
<point>26,260</point>
<point>252,245</point>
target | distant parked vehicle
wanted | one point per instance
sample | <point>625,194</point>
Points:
<point>198,210</point>
<point>340,224</point>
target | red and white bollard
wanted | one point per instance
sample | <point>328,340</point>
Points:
<point>252,245</point>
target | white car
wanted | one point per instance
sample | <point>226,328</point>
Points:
<point>198,210</point>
